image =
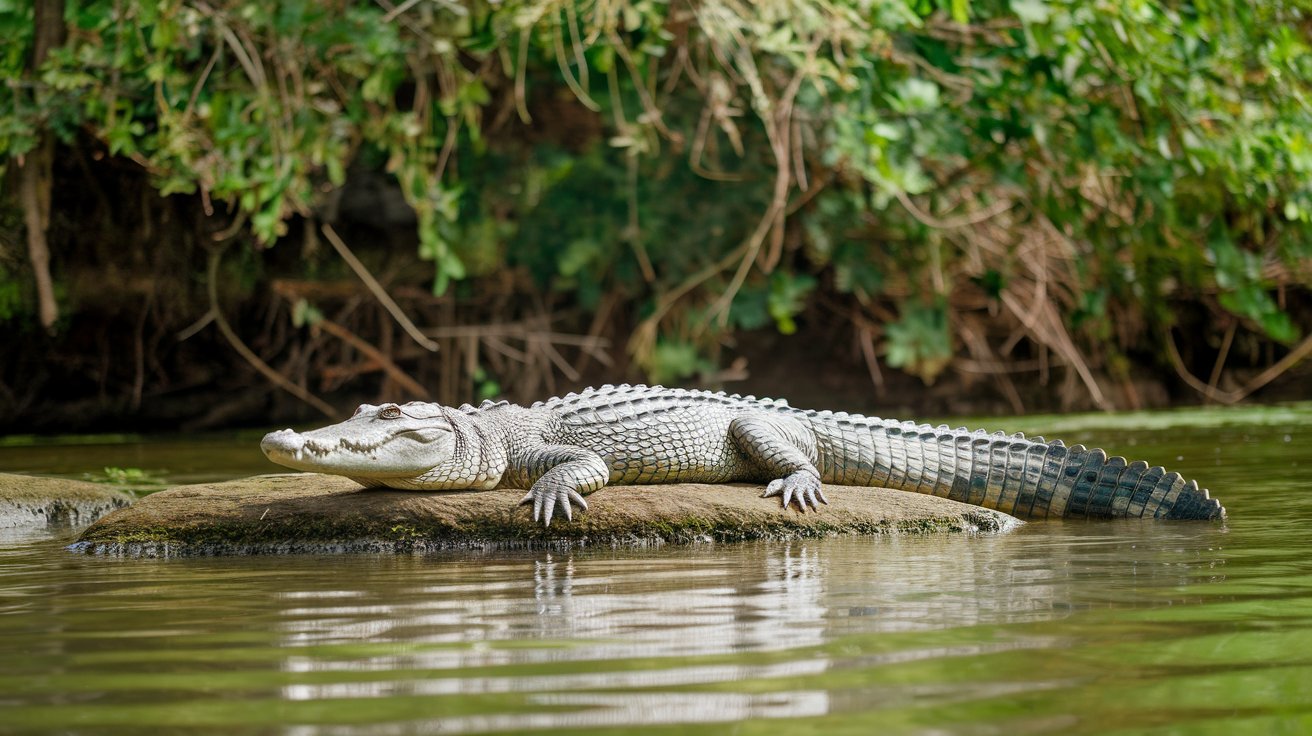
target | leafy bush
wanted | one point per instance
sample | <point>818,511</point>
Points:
<point>1059,165</point>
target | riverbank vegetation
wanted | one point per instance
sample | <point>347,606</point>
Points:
<point>1036,203</point>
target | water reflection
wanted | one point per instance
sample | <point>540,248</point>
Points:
<point>588,640</point>
<point>642,605</point>
<point>611,611</point>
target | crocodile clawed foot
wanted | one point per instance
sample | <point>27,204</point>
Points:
<point>802,486</point>
<point>547,497</point>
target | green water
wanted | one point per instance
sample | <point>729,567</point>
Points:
<point>1061,627</point>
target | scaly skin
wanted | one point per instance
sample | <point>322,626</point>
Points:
<point>564,448</point>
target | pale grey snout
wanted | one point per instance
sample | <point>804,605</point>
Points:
<point>283,442</point>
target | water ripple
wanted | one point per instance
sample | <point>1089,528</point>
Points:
<point>1056,628</point>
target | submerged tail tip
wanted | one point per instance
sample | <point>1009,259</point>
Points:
<point>1197,504</point>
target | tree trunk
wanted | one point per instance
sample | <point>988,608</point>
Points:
<point>36,174</point>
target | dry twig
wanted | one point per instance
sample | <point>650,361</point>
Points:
<point>377,289</point>
<point>249,355</point>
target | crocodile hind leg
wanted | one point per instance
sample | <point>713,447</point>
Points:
<point>784,450</point>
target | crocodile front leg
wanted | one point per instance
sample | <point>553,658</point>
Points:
<point>558,475</point>
<point>784,449</point>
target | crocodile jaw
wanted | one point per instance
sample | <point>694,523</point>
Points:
<point>344,449</point>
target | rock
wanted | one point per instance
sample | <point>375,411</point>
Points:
<point>309,513</point>
<point>28,501</point>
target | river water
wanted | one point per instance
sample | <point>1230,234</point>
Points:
<point>1060,627</point>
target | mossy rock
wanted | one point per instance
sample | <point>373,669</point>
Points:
<point>309,513</point>
<point>28,501</point>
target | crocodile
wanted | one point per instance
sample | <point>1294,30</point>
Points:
<point>566,447</point>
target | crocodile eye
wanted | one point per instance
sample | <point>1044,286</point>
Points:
<point>358,409</point>
<point>391,411</point>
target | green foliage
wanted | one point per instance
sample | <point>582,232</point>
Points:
<point>485,386</point>
<point>1127,156</point>
<point>135,478</point>
<point>674,360</point>
<point>304,313</point>
<point>778,299</point>
<point>1239,274</point>
<point>919,342</point>
<point>787,298</point>
<point>11,296</point>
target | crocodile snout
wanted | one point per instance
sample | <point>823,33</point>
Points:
<point>283,442</point>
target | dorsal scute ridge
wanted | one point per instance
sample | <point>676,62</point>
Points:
<point>958,447</point>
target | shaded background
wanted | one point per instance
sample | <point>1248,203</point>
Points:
<point>212,212</point>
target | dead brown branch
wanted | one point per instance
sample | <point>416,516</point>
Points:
<point>867,339</point>
<point>377,356</point>
<point>377,289</point>
<point>1046,327</point>
<point>778,123</point>
<point>966,220</point>
<point>1222,354</point>
<point>249,355</point>
<point>36,175</point>
<point>972,335</point>
<point>35,184</point>
<point>1292,358</point>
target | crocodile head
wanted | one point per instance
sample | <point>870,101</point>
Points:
<point>385,444</point>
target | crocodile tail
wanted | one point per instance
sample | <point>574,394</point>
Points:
<point>1030,477</point>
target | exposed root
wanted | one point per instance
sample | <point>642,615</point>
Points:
<point>376,288</point>
<point>393,371</point>
<point>249,355</point>
<point>1209,390</point>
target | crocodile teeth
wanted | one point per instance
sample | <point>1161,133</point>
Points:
<point>363,448</point>
<point>314,449</point>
